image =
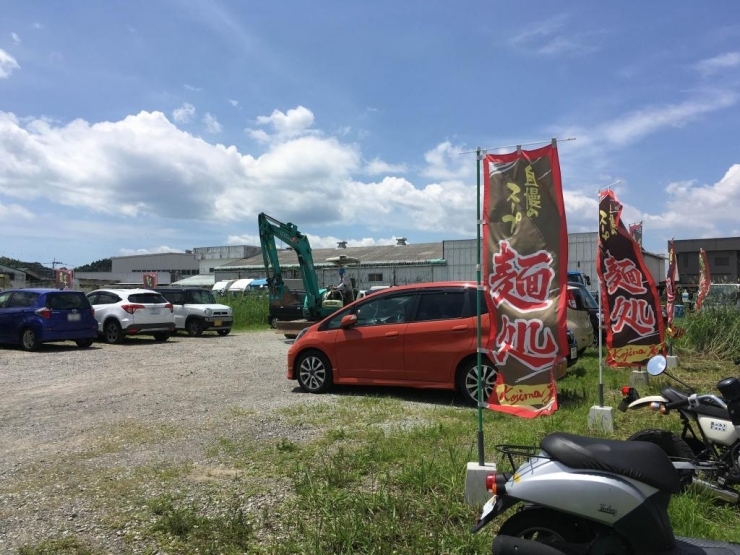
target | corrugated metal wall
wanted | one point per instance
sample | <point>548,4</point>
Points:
<point>582,251</point>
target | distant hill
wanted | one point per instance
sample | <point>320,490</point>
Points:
<point>103,265</point>
<point>35,267</point>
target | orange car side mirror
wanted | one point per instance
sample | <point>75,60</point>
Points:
<point>348,321</point>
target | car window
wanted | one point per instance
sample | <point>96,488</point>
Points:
<point>386,310</point>
<point>440,305</point>
<point>175,297</point>
<point>22,299</point>
<point>202,297</point>
<point>103,297</point>
<point>147,298</point>
<point>67,301</point>
<point>4,299</point>
<point>336,320</point>
<point>587,297</point>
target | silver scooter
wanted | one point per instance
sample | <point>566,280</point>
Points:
<point>589,496</point>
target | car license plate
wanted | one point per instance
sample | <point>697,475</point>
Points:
<point>217,323</point>
<point>573,352</point>
<point>154,310</point>
<point>73,317</point>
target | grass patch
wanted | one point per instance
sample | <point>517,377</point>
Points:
<point>68,545</point>
<point>250,310</point>
<point>374,474</point>
<point>713,333</point>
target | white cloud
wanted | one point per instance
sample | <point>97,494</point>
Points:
<point>38,25</point>
<point>445,162</point>
<point>211,123</point>
<point>549,38</point>
<point>234,103</point>
<point>718,63</point>
<point>7,64</point>
<point>316,241</point>
<point>706,207</point>
<point>638,124</point>
<point>154,250</point>
<point>9,212</point>
<point>15,37</point>
<point>192,88</point>
<point>293,123</point>
<point>377,166</point>
<point>184,114</point>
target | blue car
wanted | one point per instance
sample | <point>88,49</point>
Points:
<point>30,317</point>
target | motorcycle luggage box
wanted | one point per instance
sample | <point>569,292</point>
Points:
<point>729,388</point>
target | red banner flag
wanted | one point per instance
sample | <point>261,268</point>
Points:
<point>636,233</point>
<point>64,278</point>
<point>629,297</point>
<point>150,280</point>
<point>704,279</point>
<point>670,283</point>
<point>525,266</point>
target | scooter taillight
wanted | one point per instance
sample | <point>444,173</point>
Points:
<point>496,483</point>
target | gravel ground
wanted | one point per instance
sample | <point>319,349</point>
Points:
<point>72,418</point>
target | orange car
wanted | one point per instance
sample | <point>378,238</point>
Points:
<point>422,335</point>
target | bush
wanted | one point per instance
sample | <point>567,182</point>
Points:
<point>713,331</point>
<point>250,310</point>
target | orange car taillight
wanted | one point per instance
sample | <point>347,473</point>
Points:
<point>131,308</point>
<point>44,312</point>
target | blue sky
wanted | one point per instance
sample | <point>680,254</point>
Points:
<point>139,126</point>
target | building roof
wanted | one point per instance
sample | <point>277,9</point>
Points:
<point>200,280</point>
<point>422,253</point>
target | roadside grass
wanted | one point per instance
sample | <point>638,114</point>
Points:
<point>714,332</point>
<point>250,310</point>
<point>379,471</point>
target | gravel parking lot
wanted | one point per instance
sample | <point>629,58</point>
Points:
<point>66,410</point>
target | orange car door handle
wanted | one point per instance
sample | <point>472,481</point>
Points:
<point>459,328</point>
<point>392,334</point>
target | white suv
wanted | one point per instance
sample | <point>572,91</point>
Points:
<point>122,312</point>
<point>196,310</point>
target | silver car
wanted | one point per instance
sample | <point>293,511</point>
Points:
<point>122,312</point>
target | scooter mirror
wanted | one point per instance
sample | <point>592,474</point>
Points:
<point>656,365</point>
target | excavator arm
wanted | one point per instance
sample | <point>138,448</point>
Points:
<point>270,229</point>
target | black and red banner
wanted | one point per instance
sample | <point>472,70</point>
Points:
<point>670,283</point>
<point>630,299</point>
<point>64,278</point>
<point>149,279</point>
<point>525,255</point>
<point>704,279</point>
<point>636,232</point>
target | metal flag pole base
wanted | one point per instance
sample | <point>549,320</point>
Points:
<point>600,417</point>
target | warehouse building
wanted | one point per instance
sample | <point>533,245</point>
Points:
<point>723,255</point>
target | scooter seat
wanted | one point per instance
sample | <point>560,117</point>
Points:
<point>639,460</point>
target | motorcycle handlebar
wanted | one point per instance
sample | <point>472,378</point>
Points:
<point>676,404</point>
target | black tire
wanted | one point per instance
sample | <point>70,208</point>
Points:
<point>162,336</point>
<point>223,332</point>
<point>467,380</point>
<point>112,332</point>
<point>673,446</point>
<point>194,327</point>
<point>272,320</point>
<point>314,372</point>
<point>84,343</point>
<point>29,340</point>
<point>546,526</point>
<point>581,353</point>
